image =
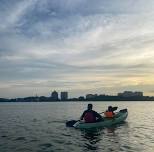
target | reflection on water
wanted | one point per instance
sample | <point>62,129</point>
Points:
<point>103,139</point>
<point>93,137</point>
<point>40,127</point>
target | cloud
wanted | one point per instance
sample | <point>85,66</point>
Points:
<point>75,44</point>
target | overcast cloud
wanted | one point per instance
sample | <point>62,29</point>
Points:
<point>81,46</point>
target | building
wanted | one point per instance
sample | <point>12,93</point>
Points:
<point>81,98</point>
<point>54,95</point>
<point>130,94</point>
<point>64,96</point>
<point>91,96</point>
<point>139,94</point>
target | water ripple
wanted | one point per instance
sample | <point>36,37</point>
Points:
<point>20,138</point>
<point>34,127</point>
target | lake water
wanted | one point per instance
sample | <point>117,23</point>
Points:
<point>40,127</point>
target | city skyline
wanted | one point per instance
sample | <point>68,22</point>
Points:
<point>78,46</point>
<point>63,96</point>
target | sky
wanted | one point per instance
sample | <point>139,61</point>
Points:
<point>79,46</point>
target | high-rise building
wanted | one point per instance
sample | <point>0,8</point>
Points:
<point>54,95</point>
<point>64,96</point>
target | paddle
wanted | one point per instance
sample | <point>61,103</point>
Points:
<point>113,109</point>
<point>71,123</point>
<point>102,112</point>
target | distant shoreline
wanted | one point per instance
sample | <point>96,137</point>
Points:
<point>74,101</point>
<point>100,98</point>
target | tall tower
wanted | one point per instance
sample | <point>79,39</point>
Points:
<point>54,96</point>
<point>64,96</point>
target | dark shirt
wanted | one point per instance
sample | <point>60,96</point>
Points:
<point>95,114</point>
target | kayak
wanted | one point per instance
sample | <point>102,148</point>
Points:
<point>106,122</point>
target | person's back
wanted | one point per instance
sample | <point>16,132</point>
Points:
<point>90,115</point>
<point>109,114</point>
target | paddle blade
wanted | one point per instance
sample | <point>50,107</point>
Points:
<point>71,123</point>
<point>114,108</point>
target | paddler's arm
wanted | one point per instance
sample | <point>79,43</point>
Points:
<point>98,115</point>
<point>82,116</point>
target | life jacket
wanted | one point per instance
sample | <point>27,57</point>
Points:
<point>109,114</point>
<point>89,117</point>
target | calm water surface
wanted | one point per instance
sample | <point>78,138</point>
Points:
<point>40,127</point>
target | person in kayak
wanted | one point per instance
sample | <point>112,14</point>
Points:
<point>90,116</point>
<point>109,113</point>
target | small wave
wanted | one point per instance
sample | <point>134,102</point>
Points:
<point>59,141</point>
<point>67,135</point>
<point>34,140</point>
<point>20,138</point>
<point>46,145</point>
<point>125,148</point>
<point>4,136</point>
<point>90,147</point>
<point>57,121</point>
<point>35,120</point>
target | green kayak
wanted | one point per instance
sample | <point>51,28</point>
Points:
<point>106,122</point>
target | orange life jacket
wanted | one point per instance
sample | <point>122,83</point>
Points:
<point>89,117</point>
<point>109,114</point>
